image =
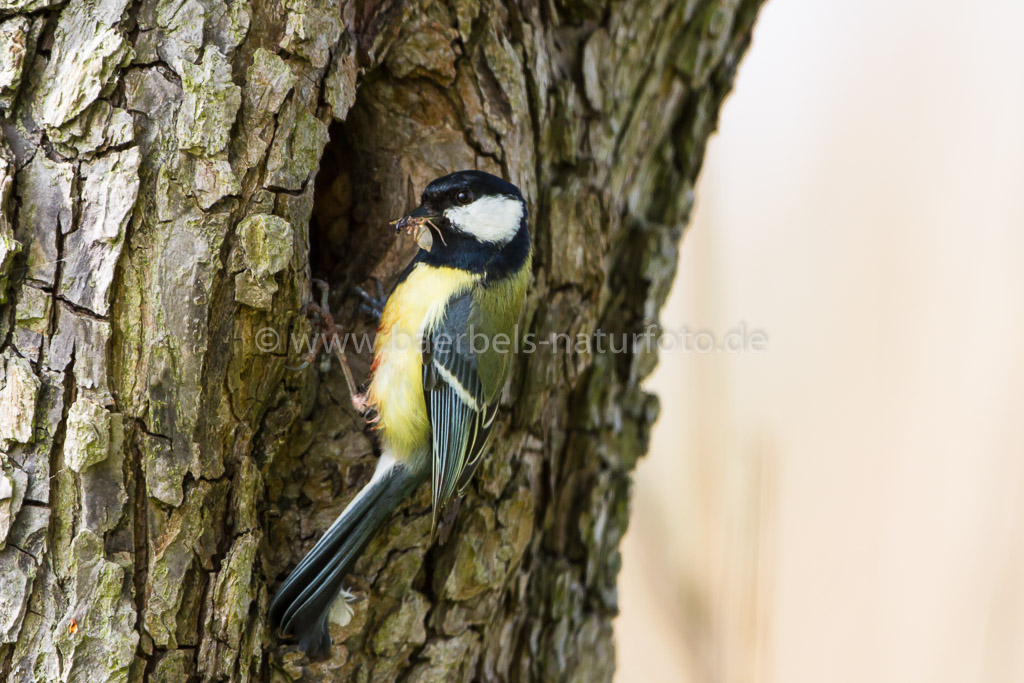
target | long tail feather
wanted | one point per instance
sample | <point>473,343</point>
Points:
<point>302,603</point>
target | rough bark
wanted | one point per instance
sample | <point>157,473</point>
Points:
<point>174,172</point>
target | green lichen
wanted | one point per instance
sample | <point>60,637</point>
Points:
<point>99,126</point>
<point>88,434</point>
<point>214,180</point>
<point>447,658</point>
<point>33,312</point>
<point>164,472</point>
<point>175,540</point>
<point>297,147</point>
<point>233,593</point>
<point>182,24</point>
<point>88,49</point>
<point>101,645</point>
<point>270,81</point>
<point>402,627</point>
<point>466,11</point>
<point>266,243</point>
<point>706,40</point>
<point>210,106</point>
<point>312,29</point>
<point>173,667</point>
<point>476,565</point>
<point>19,389</point>
<point>340,85</point>
<point>425,49</point>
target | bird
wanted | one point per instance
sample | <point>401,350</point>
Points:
<point>443,351</point>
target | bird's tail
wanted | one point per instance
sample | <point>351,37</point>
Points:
<point>304,600</point>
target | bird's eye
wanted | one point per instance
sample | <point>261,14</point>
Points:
<point>464,197</point>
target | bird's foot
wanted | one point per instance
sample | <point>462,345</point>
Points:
<point>371,304</point>
<point>360,403</point>
<point>326,335</point>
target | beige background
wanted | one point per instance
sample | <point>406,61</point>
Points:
<point>847,505</point>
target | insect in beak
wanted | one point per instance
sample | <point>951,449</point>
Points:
<point>417,226</point>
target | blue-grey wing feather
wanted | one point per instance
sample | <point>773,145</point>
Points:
<point>459,417</point>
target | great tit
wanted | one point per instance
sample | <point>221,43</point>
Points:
<point>442,354</point>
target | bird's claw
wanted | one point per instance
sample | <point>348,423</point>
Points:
<point>371,305</point>
<point>325,292</point>
<point>320,314</point>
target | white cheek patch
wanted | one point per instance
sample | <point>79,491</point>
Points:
<point>489,219</point>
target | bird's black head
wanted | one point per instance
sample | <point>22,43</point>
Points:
<point>446,188</point>
<point>477,204</point>
<point>479,222</point>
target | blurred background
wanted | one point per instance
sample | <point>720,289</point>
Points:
<point>847,505</point>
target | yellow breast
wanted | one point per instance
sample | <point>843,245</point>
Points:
<point>396,390</point>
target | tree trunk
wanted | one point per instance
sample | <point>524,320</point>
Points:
<point>174,172</point>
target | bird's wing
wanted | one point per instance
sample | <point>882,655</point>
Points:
<point>460,417</point>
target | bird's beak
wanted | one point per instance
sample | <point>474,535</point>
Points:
<point>420,212</point>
